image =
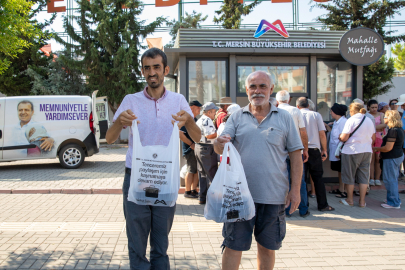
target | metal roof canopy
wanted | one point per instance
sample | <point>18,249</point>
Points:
<point>199,43</point>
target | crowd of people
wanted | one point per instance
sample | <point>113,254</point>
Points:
<point>366,136</point>
<point>279,145</point>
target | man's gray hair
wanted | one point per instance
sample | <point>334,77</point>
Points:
<point>26,102</point>
<point>259,71</point>
<point>357,100</point>
<point>302,102</point>
<point>283,96</point>
<point>273,101</point>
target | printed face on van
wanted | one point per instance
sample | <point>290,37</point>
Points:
<point>25,112</point>
<point>153,71</point>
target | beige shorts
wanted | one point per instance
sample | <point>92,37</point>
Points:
<point>356,168</point>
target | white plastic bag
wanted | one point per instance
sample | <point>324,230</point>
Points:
<point>339,149</point>
<point>229,198</point>
<point>183,171</point>
<point>155,174</point>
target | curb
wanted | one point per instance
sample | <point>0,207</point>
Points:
<point>328,187</point>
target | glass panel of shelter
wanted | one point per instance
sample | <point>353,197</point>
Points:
<point>334,85</point>
<point>207,80</point>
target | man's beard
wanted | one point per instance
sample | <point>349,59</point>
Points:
<point>155,84</point>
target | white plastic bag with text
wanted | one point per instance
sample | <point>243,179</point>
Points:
<point>229,198</point>
<point>155,174</point>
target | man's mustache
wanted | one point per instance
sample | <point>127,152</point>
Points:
<point>154,76</point>
<point>257,95</point>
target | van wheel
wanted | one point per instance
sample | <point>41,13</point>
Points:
<point>71,156</point>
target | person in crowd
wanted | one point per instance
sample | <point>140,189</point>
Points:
<point>356,153</point>
<point>188,145</point>
<point>383,107</point>
<point>207,160</point>
<point>392,156</point>
<point>231,109</point>
<point>402,104</point>
<point>311,193</point>
<point>338,112</point>
<point>155,109</point>
<point>317,151</point>
<point>283,99</point>
<point>361,102</point>
<point>394,105</point>
<point>224,103</point>
<point>264,136</point>
<point>375,171</point>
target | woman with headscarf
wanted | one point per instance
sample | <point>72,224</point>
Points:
<point>358,135</point>
<point>383,107</point>
<point>338,112</point>
<point>392,157</point>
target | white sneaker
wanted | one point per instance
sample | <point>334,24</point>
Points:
<point>389,206</point>
<point>372,182</point>
<point>385,201</point>
<point>377,182</point>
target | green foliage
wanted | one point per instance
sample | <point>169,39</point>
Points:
<point>377,78</point>
<point>192,20</point>
<point>231,13</point>
<point>107,50</point>
<point>399,51</point>
<point>374,14</point>
<point>14,81</point>
<point>15,28</point>
<point>57,80</point>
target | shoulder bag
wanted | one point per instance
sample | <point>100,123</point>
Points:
<point>339,148</point>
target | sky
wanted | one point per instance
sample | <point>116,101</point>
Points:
<point>265,10</point>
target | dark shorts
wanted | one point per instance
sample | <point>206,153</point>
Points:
<point>268,226</point>
<point>191,162</point>
<point>336,166</point>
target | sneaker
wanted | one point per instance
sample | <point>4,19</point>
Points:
<point>305,215</point>
<point>377,182</point>
<point>385,201</point>
<point>389,206</point>
<point>372,183</point>
<point>201,202</point>
<point>194,192</point>
<point>190,195</point>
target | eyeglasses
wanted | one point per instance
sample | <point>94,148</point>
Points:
<point>393,104</point>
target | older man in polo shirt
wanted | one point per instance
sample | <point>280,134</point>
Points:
<point>155,108</point>
<point>264,136</point>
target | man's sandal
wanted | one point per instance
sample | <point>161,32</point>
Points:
<point>344,202</point>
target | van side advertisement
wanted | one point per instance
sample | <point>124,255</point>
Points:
<point>35,126</point>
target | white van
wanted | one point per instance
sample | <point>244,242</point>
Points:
<point>37,127</point>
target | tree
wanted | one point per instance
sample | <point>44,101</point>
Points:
<point>15,28</point>
<point>55,79</point>
<point>399,51</point>
<point>108,46</point>
<point>14,81</point>
<point>192,20</point>
<point>374,14</point>
<point>378,78</point>
<point>231,13</point>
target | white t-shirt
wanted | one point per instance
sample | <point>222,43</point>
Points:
<point>334,137</point>
<point>220,129</point>
<point>360,141</point>
<point>295,114</point>
<point>207,128</point>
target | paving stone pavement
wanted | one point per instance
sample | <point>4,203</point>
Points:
<point>102,170</point>
<point>71,231</point>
